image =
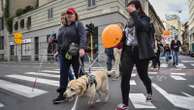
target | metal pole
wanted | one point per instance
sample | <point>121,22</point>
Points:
<point>91,43</point>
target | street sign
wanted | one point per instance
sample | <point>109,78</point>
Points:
<point>18,38</point>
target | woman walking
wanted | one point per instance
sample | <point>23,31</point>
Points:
<point>137,50</point>
<point>71,45</point>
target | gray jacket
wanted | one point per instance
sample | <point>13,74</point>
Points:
<point>75,32</point>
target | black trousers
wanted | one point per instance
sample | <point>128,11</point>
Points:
<point>64,71</point>
<point>129,58</point>
<point>156,60</point>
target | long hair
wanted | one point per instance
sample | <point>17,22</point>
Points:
<point>138,6</point>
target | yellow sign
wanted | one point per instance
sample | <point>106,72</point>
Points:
<point>18,41</point>
<point>18,38</point>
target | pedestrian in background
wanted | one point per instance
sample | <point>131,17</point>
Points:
<point>137,50</point>
<point>175,46</point>
<point>167,52</point>
<point>110,59</point>
<point>156,62</point>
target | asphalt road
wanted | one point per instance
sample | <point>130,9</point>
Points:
<point>173,88</point>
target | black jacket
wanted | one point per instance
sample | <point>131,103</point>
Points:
<point>144,37</point>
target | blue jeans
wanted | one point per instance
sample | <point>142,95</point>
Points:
<point>110,57</point>
<point>167,55</point>
<point>175,55</point>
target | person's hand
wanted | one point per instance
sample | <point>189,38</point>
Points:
<point>131,8</point>
<point>81,52</point>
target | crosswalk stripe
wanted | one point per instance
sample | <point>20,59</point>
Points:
<point>192,64</point>
<point>152,73</point>
<point>43,74</point>
<point>133,74</point>
<point>132,82</point>
<point>50,71</point>
<point>181,74</point>
<point>179,78</point>
<point>21,89</point>
<point>192,86</point>
<point>164,65</point>
<point>1,105</point>
<point>32,79</point>
<point>187,61</point>
<point>139,101</point>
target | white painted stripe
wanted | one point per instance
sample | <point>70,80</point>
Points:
<point>179,78</point>
<point>186,94</point>
<point>139,101</point>
<point>57,69</point>
<point>32,79</point>
<point>192,86</point>
<point>20,89</point>
<point>132,82</point>
<point>133,74</point>
<point>50,71</point>
<point>1,105</point>
<point>192,64</point>
<point>43,74</point>
<point>180,74</point>
<point>178,69</point>
<point>187,61</point>
<point>164,65</point>
<point>153,73</point>
<point>184,102</point>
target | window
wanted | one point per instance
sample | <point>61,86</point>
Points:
<point>1,42</point>
<point>22,23</point>
<point>91,3</point>
<point>29,22</point>
<point>16,26</point>
<point>50,13</point>
<point>26,49</point>
<point>1,23</point>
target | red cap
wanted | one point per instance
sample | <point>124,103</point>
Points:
<point>71,11</point>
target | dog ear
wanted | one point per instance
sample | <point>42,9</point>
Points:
<point>82,87</point>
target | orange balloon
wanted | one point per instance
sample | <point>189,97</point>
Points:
<point>111,35</point>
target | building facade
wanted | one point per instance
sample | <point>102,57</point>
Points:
<point>191,25</point>
<point>174,26</point>
<point>44,22</point>
<point>185,37</point>
<point>2,33</point>
<point>14,5</point>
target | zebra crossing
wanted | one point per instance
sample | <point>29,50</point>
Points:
<point>51,77</point>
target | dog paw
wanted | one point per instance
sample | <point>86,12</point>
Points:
<point>98,100</point>
<point>106,98</point>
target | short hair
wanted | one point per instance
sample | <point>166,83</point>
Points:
<point>63,13</point>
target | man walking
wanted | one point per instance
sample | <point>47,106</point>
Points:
<point>175,45</point>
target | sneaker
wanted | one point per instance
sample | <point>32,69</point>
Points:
<point>58,100</point>
<point>115,77</point>
<point>109,73</point>
<point>149,97</point>
<point>122,107</point>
